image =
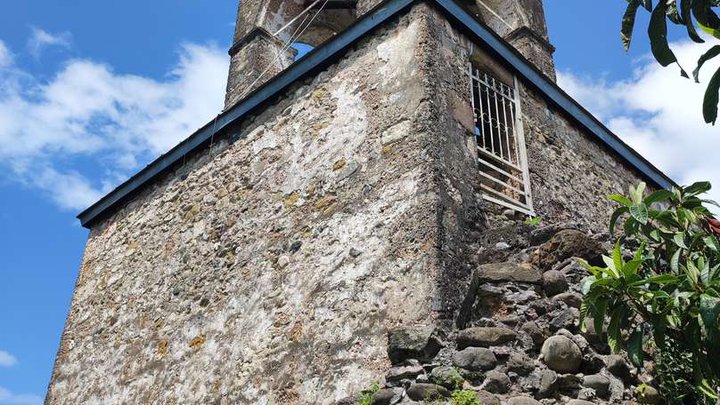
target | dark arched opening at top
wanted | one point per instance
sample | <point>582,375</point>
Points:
<point>310,22</point>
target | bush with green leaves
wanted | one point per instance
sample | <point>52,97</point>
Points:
<point>660,287</point>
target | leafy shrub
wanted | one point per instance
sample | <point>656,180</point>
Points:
<point>465,397</point>
<point>666,292</point>
<point>674,377</point>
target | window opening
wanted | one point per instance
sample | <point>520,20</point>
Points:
<point>500,142</point>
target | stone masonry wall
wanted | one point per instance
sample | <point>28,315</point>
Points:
<point>571,171</point>
<point>515,337</point>
<point>268,271</point>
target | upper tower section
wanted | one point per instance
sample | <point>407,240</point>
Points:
<point>521,23</point>
<point>266,29</point>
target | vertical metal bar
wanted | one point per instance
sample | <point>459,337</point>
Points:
<point>513,120</point>
<point>489,118</point>
<point>506,123</point>
<point>497,117</point>
<point>520,139</point>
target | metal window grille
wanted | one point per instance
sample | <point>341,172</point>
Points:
<point>502,158</point>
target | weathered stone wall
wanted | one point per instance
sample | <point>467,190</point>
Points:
<point>571,171</point>
<point>515,338</point>
<point>269,270</point>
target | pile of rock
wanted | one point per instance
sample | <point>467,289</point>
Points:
<point>517,339</point>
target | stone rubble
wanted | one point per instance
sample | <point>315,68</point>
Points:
<point>518,341</point>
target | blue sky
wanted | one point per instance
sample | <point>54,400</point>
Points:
<point>91,91</point>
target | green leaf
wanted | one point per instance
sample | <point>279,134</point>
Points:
<point>615,215</point>
<point>657,31</point>
<point>628,22</point>
<point>710,30</point>
<point>709,310</point>
<point>586,284</point>
<point>620,199</point>
<point>686,17</point>
<point>640,213</point>
<point>679,240</point>
<point>637,192</point>
<point>610,263</point>
<point>710,101</point>
<point>659,335</point>
<point>697,187</point>
<point>692,272</point>
<point>614,332</point>
<point>712,243</point>
<point>630,268</point>
<point>713,52</point>
<point>630,226</point>
<point>675,261</point>
<point>599,314</point>
<point>657,196</point>
<point>583,315</point>
<point>705,273</point>
<point>659,279</point>
<point>635,351</point>
<point>706,17</point>
<point>639,252</point>
<point>617,257</point>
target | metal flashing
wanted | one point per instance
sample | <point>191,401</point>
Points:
<point>326,54</point>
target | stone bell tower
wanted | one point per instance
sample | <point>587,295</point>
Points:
<point>352,218</point>
<point>264,28</point>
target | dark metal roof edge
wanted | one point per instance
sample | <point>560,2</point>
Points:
<point>325,54</point>
<point>314,60</point>
<point>554,93</point>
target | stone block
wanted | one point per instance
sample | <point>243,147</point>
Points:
<point>564,245</point>
<point>475,359</point>
<point>503,272</point>
<point>561,354</point>
<point>426,392</point>
<point>414,342</point>
<point>484,337</point>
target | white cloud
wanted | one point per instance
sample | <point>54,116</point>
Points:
<point>7,359</point>
<point>6,58</point>
<point>88,128</point>
<point>41,39</point>
<point>659,114</point>
<point>8,398</point>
